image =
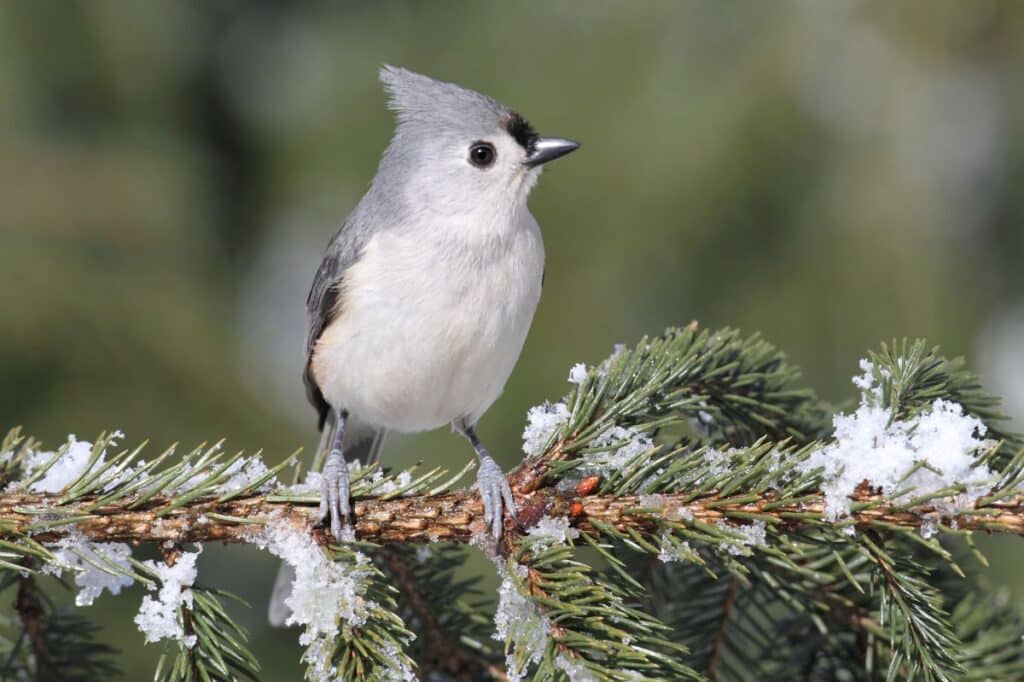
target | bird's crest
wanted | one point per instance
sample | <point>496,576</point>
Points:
<point>418,99</point>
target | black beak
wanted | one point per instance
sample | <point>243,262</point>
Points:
<point>546,149</point>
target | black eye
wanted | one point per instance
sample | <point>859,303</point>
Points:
<point>482,154</point>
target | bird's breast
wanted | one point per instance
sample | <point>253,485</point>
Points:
<point>429,329</point>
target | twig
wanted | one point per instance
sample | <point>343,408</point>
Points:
<point>441,647</point>
<point>719,639</point>
<point>456,517</point>
<point>33,617</point>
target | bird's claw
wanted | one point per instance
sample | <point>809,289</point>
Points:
<point>496,495</point>
<point>334,496</point>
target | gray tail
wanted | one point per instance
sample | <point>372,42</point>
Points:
<point>359,443</point>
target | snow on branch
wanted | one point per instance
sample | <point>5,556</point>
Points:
<point>457,516</point>
<point>694,448</point>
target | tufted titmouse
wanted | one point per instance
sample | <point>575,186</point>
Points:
<point>421,305</point>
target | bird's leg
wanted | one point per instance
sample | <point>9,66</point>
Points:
<point>494,489</point>
<point>334,485</point>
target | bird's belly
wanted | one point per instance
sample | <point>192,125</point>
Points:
<point>416,351</point>
<point>399,379</point>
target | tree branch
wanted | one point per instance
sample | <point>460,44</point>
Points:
<point>718,640</point>
<point>30,611</point>
<point>458,516</point>
<point>444,650</point>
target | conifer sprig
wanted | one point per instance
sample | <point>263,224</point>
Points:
<point>689,510</point>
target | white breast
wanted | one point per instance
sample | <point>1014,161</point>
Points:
<point>430,329</point>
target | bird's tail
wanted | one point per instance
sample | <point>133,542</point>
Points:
<point>359,443</point>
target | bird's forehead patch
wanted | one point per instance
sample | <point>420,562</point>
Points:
<point>521,131</point>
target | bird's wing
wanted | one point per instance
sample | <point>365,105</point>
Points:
<point>322,303</point>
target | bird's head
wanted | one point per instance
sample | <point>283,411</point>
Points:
<point>458,152</point>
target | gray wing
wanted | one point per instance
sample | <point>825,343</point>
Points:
<point>322,304</point>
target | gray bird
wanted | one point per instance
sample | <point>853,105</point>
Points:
<point>421,305</point>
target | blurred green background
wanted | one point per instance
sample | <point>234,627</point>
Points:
<point>830,173</point>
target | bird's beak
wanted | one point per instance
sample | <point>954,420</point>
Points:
<point>548,149</point>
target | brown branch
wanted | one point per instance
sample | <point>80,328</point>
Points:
<point>719,639</point>
<point>33,619</point>
<point>456,517</point>
<point>442,649</point>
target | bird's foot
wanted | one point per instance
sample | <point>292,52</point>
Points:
<point>334,496</point>
<point>496,495</point>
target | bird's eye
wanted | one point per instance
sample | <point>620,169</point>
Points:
<point>482,154</point>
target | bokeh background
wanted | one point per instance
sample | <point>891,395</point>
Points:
<point>830,173</point>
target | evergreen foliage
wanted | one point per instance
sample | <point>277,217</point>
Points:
<point>678,520</point>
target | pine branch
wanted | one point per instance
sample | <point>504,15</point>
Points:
<point>457,516</point>
<point>372,647</point>
<point>212,645</point>
<point>912,376</point>
<point>912,611</point>
<point>990,627</point>
<point>718,639</point>
<point>805,550</point>
<point>716,385</point>
<point>30,611</point>
<point>49,643</point>
<point>554,612</point>
<point>454,638</point>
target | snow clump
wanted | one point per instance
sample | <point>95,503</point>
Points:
<point>517,620</point>
<point>869,445</point>
<point>325,594</point>
<point>518,623</point>
<point>76,553</point>
<point>551,531</point>
<point>751,535</point>
<point>243,472</point>
<point>68,467</point>
<point>158,618</point>
<point>542,423</point>
<point>578,373</point>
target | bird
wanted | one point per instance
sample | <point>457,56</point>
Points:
<point>421,305</point>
